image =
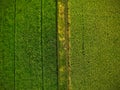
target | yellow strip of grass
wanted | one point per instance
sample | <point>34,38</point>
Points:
<point>63,45</point>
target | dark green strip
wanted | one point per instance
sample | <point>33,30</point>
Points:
<point>6,44</point>
<point>49,44</point>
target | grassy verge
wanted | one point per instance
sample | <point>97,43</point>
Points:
<point>63,45</point>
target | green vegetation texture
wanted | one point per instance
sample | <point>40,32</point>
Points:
<point>95,44</point>
<point>28,50</point>
<point>39,51</point>
<point>63,45</point>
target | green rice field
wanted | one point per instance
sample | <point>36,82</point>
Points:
<point>28,45</point>
<point>59,45</point>
<point>95,44</point>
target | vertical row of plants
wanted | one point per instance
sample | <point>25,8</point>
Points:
<point>63,45</point>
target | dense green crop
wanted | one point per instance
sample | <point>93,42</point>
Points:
<point>6,45</point>
<point>50,45</point>
<point>28,48</point>
<point>95,40</point>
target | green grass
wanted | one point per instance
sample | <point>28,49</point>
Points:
<point>95,39</point>
<point>28,58</point>
<point>6,45</point>
<point>49,45</point>
<point>35,47</point>
<point>28,62</point>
